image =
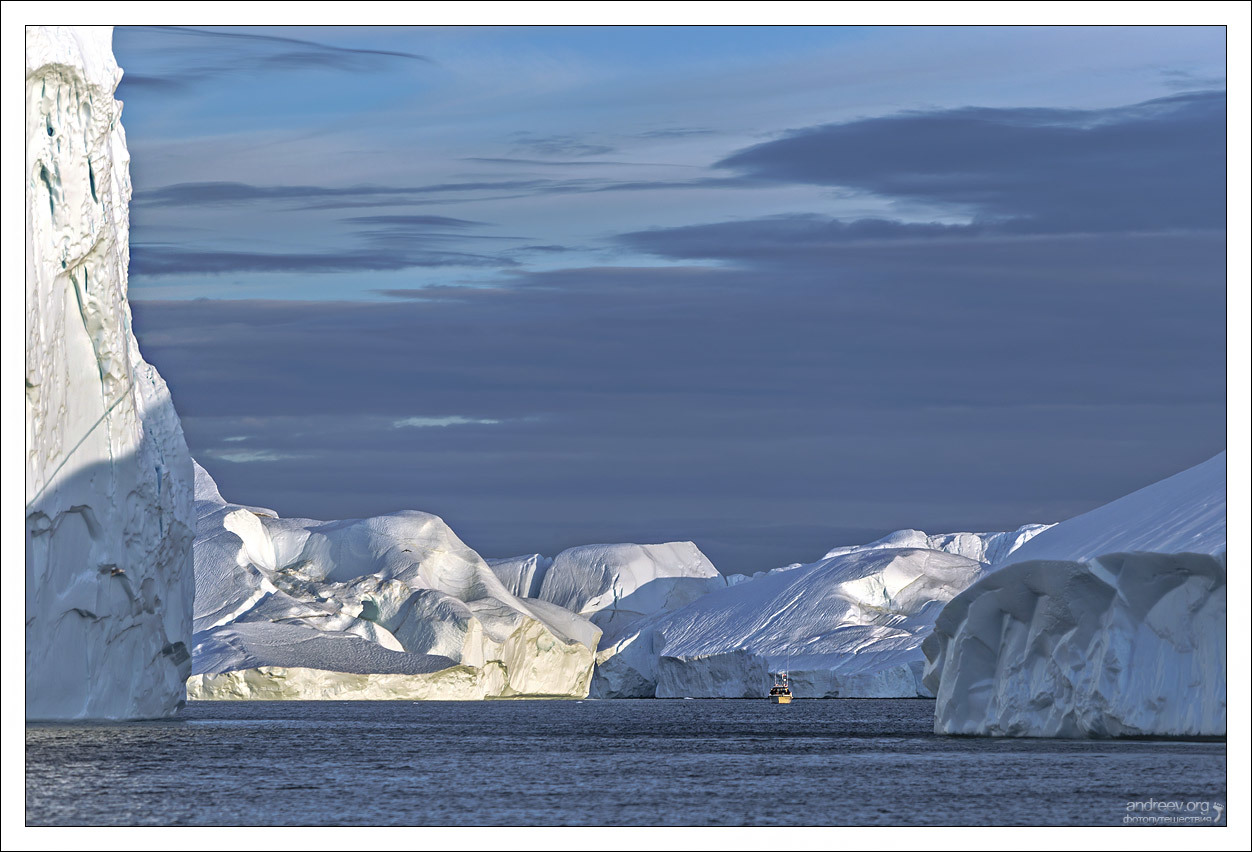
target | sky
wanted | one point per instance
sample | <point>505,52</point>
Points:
<point>771,290</point>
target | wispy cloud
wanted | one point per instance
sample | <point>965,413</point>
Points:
<point>557,145</point>
<point>437,422</point>
<point>772,237</point>
<point>519,161</point>
<point>676,133</point>
<point>207,53</point>
<point>416,221</point>
<point>393,242</point>
<point>1188,81</point>
<point>233,192</point>
<point>227,193</point>
<point>149,260</point>
<point>250,456</point>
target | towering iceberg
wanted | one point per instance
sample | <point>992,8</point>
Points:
<point>394,606</point>
<point>848,625</point>
<point>108,476</point>
<point>1112,623</point>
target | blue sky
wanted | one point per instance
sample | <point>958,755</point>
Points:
<point>768,289</point>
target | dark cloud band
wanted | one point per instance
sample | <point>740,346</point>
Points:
<point>1158,164</point>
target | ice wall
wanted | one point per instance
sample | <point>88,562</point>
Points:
<point>1127,644</point>
<point>1113,624</point>
<point>108,476</point>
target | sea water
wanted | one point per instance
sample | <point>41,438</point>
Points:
<point>643,762</point>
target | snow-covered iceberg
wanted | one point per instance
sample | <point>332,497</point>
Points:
<point>848,625</point>
<point>614,585</point>
<point>108,477</point>
<point>394,606</point>
<point>990,548</point>
<point>1112,623</point>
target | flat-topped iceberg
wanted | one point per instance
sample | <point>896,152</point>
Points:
<point>391,606</point>
<point>108,476</point>
<point>849,625</point>
<point>1112,623</point>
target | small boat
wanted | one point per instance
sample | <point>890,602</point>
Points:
<point>780,692</point>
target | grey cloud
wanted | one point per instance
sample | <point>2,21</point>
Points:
<point>559,145</point>
<point>803,400</point>
<point>393,242</point>
<point>171,84</point>
<point>231,192</point>
<point>151,260</point>
<point>770,237</point>
<point>546,249</point>
<point>332,198</point>
<point>1183,80</point>
<point>417,221</point>
<point>676,133</point>
<point>1157,164</point>
<point>203,54</point>
<point>519,161</point>
<point>307,48</point>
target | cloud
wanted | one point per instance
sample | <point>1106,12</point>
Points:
<point>200,54</point>
<point>250,456</point>
<point>441,422</point>
<point>301,46</point>
<point>153,260</point>
<point>775,385</point>
<point>557,145</point>
<point>224,193</point>
<point>170,85</point>
<point>1184,80</point>
<point>677,133</point>
<point>233,192</point>
<point>394,242</point>
<point>415,221</point>
<point>1157,164</point>
<point>769,409</point>
<point>518,161</point>
<point>544,249</point>
<point>768,238</point>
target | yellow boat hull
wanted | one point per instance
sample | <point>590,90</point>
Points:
<point>780,699</point>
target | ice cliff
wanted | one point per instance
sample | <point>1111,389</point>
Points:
<point>387,607</point>
<point>848,625</point>
<point>108,477</point>
<point>1110,624</point>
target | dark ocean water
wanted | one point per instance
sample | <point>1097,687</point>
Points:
<point>831,762</point>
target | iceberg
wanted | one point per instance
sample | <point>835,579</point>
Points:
<point>394,606</point>
<point>614,585</point>
<point>1110,624</point>
<point>108,476</point>
<point>981,547</point>
<point>847,626</point>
